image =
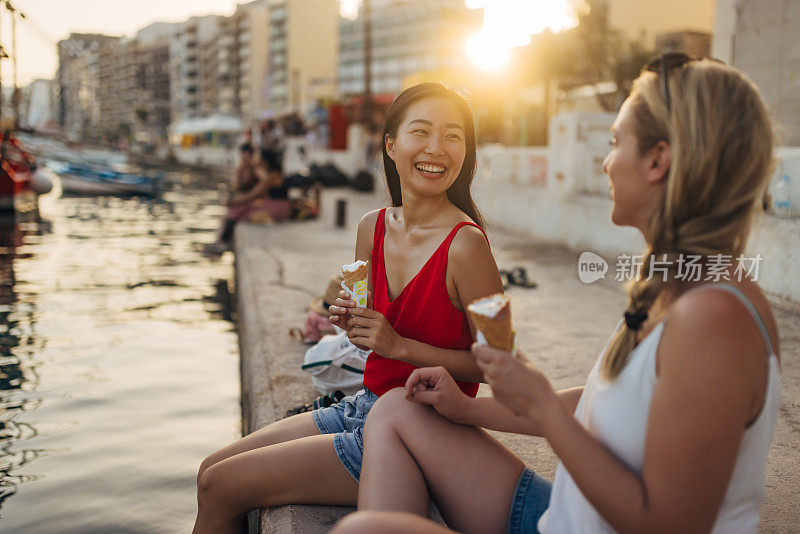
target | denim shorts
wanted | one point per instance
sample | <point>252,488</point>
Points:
<point>531,499</point>
<point>345,420</point>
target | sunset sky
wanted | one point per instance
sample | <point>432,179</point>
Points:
<point>57,18</point>
<point>508,23</point>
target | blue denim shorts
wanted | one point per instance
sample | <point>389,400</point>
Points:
<point>531,499</point>
<point>345,420</point>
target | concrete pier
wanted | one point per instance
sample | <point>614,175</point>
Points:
<point>562,325</point>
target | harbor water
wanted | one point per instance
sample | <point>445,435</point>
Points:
<point>119,368</point>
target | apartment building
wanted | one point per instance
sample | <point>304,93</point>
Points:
<point>78,84</point>
<point>268,58</point>
<point>242,61</point>
<point>114,95</point>
<point>193,71</point>
<point>303,52</point>
<point>133,90</point>
<point>150,80</point>
<point>408,37</point>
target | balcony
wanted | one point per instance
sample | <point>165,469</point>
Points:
<point>278,14</point>
<point>225,41</point>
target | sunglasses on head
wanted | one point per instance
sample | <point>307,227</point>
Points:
<point>667,62</point>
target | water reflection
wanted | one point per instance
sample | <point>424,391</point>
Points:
<point>114,336</point>
<point>16,330</point>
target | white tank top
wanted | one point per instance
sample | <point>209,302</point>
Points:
<point>616,413</point>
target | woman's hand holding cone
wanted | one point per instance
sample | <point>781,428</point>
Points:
<point>369,329</point>
<point>339,310</point>
<point>516,382</point>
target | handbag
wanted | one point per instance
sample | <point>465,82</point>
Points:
<point>335,363</point>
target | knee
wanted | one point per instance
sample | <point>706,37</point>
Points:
<point>388,406</point>
<point>357,523</point>
<point>393,413</point>
<point>204,465</point>
<point>209,485</point>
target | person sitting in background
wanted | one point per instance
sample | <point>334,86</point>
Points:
<point>257,194</point>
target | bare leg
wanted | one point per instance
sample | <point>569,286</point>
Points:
<point>470,475</point>
<point>301,425</point>
<point>302,471</point>
<point>297,426</point>
<point>387,523</point>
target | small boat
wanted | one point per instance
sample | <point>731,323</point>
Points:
<point>20,182</point>
<point>86,180</point>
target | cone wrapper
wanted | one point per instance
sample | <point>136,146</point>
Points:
<point>492,318</point>
<point>355,281</point>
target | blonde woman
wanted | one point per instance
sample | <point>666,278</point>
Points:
<point>672,429</point>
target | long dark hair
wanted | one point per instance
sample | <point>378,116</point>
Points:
<point>459,192</point>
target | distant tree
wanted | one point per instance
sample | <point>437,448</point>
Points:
<point>595,52</point>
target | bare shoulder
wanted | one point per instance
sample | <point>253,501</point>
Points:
<point>717,309</point>
<point>366,226</point>
<point>472,266</point>
<point>368,221</point>
<point>468,242</point>
<point>710,336</point>
<point>366,232</point>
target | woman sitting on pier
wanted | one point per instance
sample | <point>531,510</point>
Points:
<point>429,258</point>
<point>257,194</point>
<point>672,429</point>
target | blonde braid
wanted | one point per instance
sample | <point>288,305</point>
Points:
<point>721,143</point>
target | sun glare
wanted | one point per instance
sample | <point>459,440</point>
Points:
<point>348,9</point>
<point>486,53</point>
<point>510,23</point>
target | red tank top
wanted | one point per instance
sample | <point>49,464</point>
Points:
<point>422,311</point>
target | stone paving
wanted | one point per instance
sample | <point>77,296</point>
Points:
<point>562,325</point>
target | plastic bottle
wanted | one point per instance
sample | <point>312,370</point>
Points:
<point>783,203</point>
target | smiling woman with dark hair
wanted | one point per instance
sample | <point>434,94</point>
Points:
<point>428,260</point>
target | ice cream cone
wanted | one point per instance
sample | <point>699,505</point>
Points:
<point>355,281</point>
<point>351,277</point>
<point>492,318</point>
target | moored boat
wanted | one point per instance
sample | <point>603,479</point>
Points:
<point>85,180</point>
<point>20,186</point>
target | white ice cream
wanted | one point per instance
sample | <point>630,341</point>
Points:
<point>489,306</point>
<point>353,266</point>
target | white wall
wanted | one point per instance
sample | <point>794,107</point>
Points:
<point>724,30</point>
<point>571,205</point>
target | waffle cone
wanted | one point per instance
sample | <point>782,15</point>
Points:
<point>351,277</point>
<point>498,330</point>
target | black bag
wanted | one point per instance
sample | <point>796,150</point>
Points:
<point>299,180</point>
<point>363,181</point>
<point>328,174</point>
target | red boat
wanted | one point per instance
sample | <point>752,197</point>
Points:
<point>18,188</point>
